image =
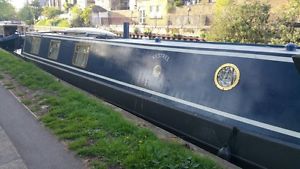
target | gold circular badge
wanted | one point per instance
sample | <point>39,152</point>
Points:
<point>227,76</point>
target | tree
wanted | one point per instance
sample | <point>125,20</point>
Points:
<point>67,5</point>
<point>86,16</point>
<point>36,9</point>
<point>76,20</point>
<point>80,17</point>
<point>51,12</point>
<point>7,11</point>
<point>221,5</point>
<point>246,23</point>
<point>26,14</point>
<point>284,24</point>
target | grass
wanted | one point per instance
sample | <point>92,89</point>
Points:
<point>96,131</point>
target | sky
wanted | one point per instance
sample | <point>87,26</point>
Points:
<point>18,4</point>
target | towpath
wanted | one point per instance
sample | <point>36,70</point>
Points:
<point>25,143</point>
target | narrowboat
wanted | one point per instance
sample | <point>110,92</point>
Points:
<point>241,102</point>
<point>10,34</point>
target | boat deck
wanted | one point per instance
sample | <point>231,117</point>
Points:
<point>209,46</point>
<point>212,46</point>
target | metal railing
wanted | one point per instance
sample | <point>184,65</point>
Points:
<point>180,21</point>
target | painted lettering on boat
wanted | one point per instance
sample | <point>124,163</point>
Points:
<point>161,56</point>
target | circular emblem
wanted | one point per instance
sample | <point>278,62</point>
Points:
<point>227,76</point>
<point>156,70</point>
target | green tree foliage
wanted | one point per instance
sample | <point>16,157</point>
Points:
<point>221,5</point>
<point>51,12</point>
<point>68,5</point>
<point>246,23</point>
<point>284,24</point>
<point>76,20</point>
<point>7,11</point>
<point>86,16</point>
<point>80,17</point>
<point>36,9</point>
<point>26,14</point>
<point>53,22</point>
<point>178,2</point>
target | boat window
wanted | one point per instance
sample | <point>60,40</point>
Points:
<point>35,45</point>
<point>81,54</point>
<point>54,49</point>
<point>1,31</point>
<point>27,45</point>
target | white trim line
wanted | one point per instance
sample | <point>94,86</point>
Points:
<point>188,103</point>
<point>191,51</point>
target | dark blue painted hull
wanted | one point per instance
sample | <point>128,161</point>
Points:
<point>11,42</point>
<point>264,107</point>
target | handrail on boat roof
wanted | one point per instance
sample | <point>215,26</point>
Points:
<point>85,32</point>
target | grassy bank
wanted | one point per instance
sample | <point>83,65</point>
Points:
<point>96,131</point>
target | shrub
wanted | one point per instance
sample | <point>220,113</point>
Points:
<point>246,23</point>
<point>63,23</point>
<point>51,12</point>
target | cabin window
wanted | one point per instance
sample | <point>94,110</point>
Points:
<point>27,47</point>
<point>81,54</point>
<point>54,49</point>
<point>35,45</point>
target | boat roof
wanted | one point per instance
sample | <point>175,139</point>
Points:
<point>214,46</point>
<point>12,23</point>
<point>208,46</point>
<point>87,30</point>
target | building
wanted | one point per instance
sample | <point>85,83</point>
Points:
<point>60,3</point>
<point>106,4</point>
<point>82,3</point>
<point>42,2</point>
<point>154,12</point>
<point>116,4</point>
<point>56,4</point>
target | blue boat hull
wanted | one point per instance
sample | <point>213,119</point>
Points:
<point>258,120</point>
<point>12,42</point>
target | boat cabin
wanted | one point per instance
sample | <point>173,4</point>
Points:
<point>12,27</point>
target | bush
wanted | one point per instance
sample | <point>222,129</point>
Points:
<point>148,32</point>
<point>51,12</point>
<point>137,31</point>
<point>53,22</point>
<point>63,23</point>
<point>246,23</point>
<point>178,3</point>
<point>283,26</point>
<point>43,22</point>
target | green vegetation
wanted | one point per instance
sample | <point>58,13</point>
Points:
<point>26,15</point>
<point>7,11</point>
<point>51,12</point>
<point>54,22</point>
<point>250,22</point>
<point>80,17</point>
<point>284,24</point>
<point>96,131</point>
<point>30,12</point>
<point>51,15</point>
<point>246,23</point>
<point>36,9</point>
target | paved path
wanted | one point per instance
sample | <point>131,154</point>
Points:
<point>9,157</point>
<point>28,141</point>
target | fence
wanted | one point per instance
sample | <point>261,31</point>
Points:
<point>118,20</point>
<point>174,21</point>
